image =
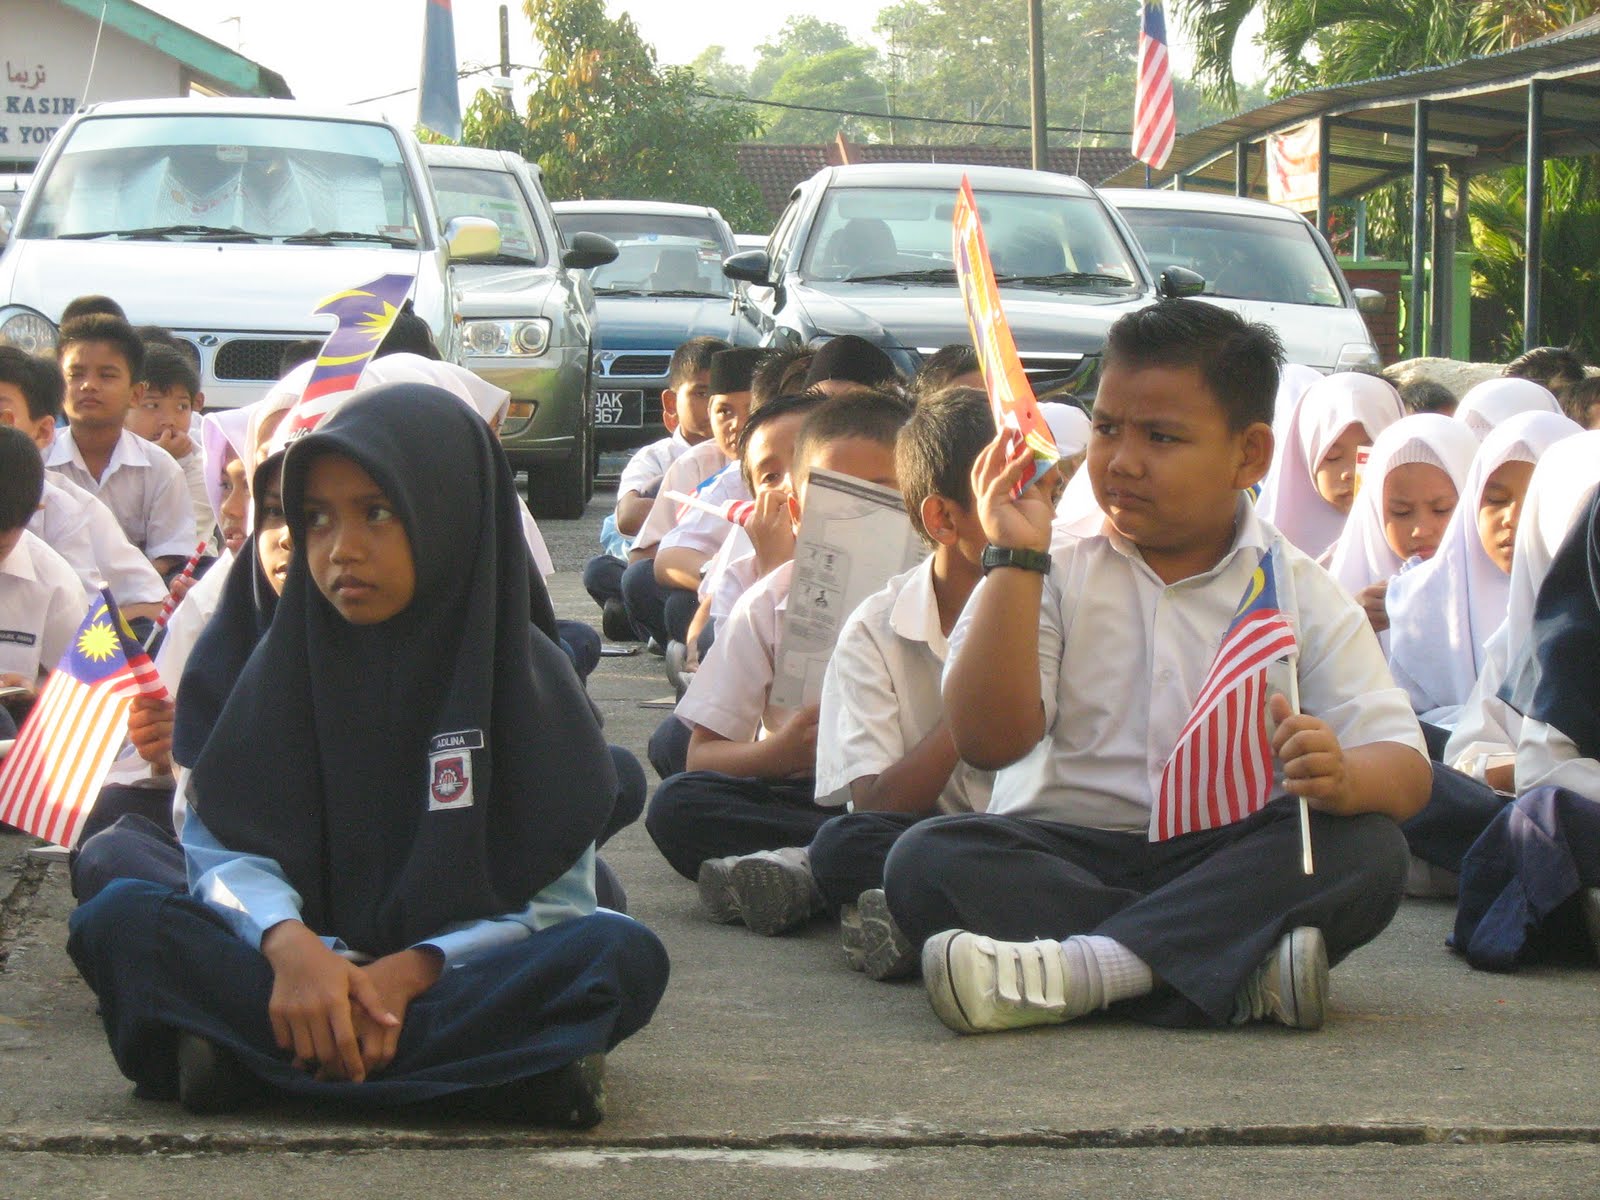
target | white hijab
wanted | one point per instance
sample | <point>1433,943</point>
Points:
<point>1294,380</point>
<point>1289,498</point>
<point>223,437</point>
<point>1489,403</point>
<point>1362,556</point>
<point>1443,612</point>
<point>1562,486</point>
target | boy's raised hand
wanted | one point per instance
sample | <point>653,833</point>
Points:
<point>313,994</point>
<point>1313,761</point>
<point>1020,523</point>
<point>771,530</point>
<point>175,442</point>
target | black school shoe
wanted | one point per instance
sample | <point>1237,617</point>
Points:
<point>615,624</point>
<point>570,1097</point>
<point>211,1081</point>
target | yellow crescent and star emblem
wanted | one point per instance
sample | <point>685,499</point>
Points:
<point>1258,584</point>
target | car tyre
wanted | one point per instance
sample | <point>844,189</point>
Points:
<point>560,491</point>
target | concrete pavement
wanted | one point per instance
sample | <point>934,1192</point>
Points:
<point>771,1069</point>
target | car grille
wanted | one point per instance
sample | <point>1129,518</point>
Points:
<point>646,364</point>
<point>249,359</point>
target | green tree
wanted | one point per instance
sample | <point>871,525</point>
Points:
<point>839,79</point>
<point>801,39</point>
<point>604,119</point>
<point>714,69</point>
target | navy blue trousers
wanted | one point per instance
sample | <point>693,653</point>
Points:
<point>849,852</point>
<point>1459,809</point>
<point>602,578</point>
<point>1520,877</point>
<point>662,612</point>
<point>161,963</point>
<point>1202,910</point>
<point>706,814</point>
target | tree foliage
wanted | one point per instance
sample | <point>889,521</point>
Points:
<point>604,119</point>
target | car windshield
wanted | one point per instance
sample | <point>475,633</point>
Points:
<point>192,175</point>
<point>473,192</point>
<point>656,253</point>
<point>1242,257</point>
<point>1036,239</point>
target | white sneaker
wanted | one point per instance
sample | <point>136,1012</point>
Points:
<point>1291,984</point>
<point>717,900</point>
<point>774,889</point>
<point>979,985</point>
<point>873,943</point>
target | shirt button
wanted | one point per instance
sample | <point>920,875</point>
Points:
<point>1165,675</point>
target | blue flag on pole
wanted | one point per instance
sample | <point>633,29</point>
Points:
<point>440,106</point>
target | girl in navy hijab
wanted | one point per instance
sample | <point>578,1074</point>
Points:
<point>391,815</point>
<point>1529,883</point>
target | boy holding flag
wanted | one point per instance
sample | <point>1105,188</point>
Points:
<point>1145,822</point>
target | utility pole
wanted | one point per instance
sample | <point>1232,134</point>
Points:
<point>1036,115</point>
<point>505,59</point>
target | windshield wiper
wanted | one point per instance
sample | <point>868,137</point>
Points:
<point>930,275</point>
<point>502,259</point>
<point>312,237</point>
<point>210,232</point>
<point>617,291</point>
<point>690,293</point>
<point>1064,279</point>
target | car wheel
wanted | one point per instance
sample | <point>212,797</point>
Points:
<point>560,491</point>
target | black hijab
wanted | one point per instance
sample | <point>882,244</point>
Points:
<point>1556,677</point>
<point>441,766</point>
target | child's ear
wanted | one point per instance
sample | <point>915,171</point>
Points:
<point>1255,455</point>
<point>936,519</point>
<point>669,402</point>
<point>43,432</point>
<point>198,403</point>
<point>137,394</point>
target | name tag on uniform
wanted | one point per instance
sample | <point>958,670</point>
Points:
<point>450,769</point>
<point>18,637</point>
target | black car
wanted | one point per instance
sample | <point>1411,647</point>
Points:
<point>867,250</point>
<point>665,287</point>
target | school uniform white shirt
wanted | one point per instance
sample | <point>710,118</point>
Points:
<point>881,697</point>
<point>68,513</point>
<point>144,488</point>
<point>691,468</point>
<point>193,465</point>
<point>1122,657</point>
<point>731,573</point>
<point>41,607</point>
<point>1546,757</point>
<point>729,693</point>
<point>705,532</point>
<point>650,463</point>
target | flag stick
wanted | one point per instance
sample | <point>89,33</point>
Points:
<point>171,602</point>
<point>1306,864</point>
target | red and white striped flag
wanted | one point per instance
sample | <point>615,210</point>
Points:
<point>1155,124</point>
<point>52,777</point>
<point>1220,771</point>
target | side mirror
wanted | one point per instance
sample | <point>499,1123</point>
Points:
<point>587,251</point>
<point>750,266</point>
<point>1178,282</point>
<point>471,237</point>
<point>1369,301</point>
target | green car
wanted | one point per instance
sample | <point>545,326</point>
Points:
<point>527,320</point>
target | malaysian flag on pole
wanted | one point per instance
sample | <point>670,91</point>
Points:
<point>1220,770</point>
<point>52,777</point>
<point>1155,124</point>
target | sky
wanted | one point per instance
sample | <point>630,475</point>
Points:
<point>343,51</point>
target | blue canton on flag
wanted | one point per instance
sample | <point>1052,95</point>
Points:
<point>1220,771</point>
<point>52,776</point>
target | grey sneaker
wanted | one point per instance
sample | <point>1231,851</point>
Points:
<point>873,943</point>
<point>979,985</point>
<point>1291,985</point>
<point>678,674</point>
<point>717,899</point>
<point>774,889</point>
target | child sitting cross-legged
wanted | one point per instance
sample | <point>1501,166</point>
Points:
<point>1074,673</point>
<point>883,745</point>
<point>749,784</point>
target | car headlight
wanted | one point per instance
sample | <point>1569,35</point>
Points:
<point>28,331</point>
<point>527,338</point>
<point>1356,355</point>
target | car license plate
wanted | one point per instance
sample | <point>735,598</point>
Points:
<point>619,410</point>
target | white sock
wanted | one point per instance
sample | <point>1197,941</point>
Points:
<point>1110,970</point>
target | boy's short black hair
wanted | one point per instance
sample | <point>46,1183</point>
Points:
<point>38,379</point>
<point>873,416</point>
<point>1580,398</point>
<point>934,453</point>
<point>1555,367</point>
<point>21,478</point>
<point>772,410</point>
<point>160,335</point>
<point>166,368</point>
<point>88,306</point>
<point>943,367</point>
<point>109,330</point>
<point>295,353</point>
<point>692,357</point>
<point>408,335</point>
<point>1427,396</point>
<point>780,373</point>
<point>1238,360</point>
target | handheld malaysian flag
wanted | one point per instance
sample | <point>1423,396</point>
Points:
<point>365,314</point>
<point>1155,124</point>
<point>52,777</point>
<point>1220,771</point>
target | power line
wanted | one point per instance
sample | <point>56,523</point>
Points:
<point>854,112</point>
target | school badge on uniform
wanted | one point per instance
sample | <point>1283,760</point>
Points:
<point>450,769</point>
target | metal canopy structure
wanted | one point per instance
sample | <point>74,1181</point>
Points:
<point>1515,108</point>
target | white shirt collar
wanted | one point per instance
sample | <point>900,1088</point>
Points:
<point>1249,533</point>
<point>130,451</point>
<point>915,613</point>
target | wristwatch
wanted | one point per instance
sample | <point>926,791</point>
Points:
<point>1008,556</point>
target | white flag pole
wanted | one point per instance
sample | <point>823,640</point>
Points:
<point>1306,864</point>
